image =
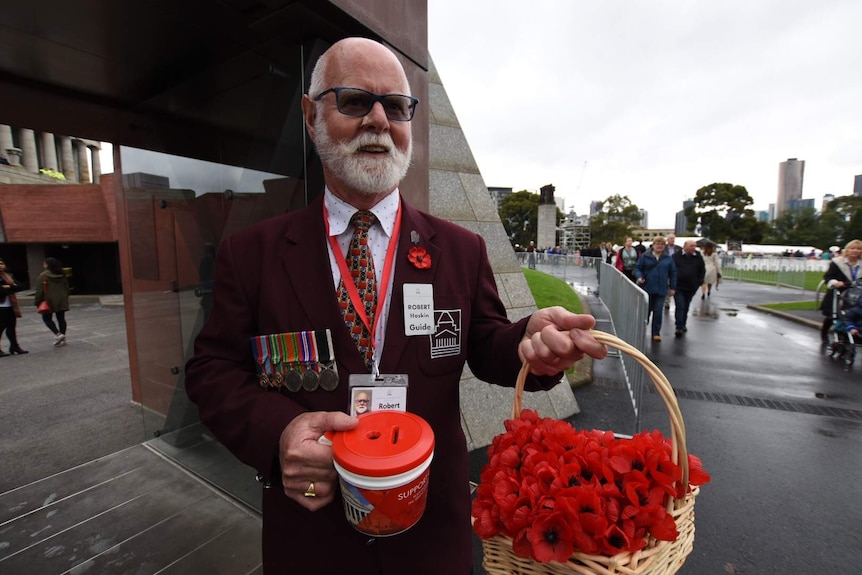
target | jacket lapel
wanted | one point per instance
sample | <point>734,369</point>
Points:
<point>304,274</point>
<point>414,225</point>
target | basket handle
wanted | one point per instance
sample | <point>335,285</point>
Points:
<point>679,451</point>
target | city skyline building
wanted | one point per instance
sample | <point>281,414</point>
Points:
<point>498,195</point>
<point>681,221</point>
<point>791,175</point>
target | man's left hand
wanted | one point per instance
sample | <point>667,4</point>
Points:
<point>556,338</point>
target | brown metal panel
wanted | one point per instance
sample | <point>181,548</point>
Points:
<point>403,25</point>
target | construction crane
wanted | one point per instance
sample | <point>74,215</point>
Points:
<point>583,169</point>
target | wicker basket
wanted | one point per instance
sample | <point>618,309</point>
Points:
<point>658,557</point>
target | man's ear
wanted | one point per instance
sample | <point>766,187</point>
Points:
<point>309,111</point>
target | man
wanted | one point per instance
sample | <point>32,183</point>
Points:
<point>671,250</point>
<point>361,402</point>
<point>531,255</point>
<point>284,276</point>
<point>690,270</point>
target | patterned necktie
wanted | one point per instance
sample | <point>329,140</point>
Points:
<point>361,266</point>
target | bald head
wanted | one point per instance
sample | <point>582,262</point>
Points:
<point>356,59</point>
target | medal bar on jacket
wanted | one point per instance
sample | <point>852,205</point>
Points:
<point>296,360</point>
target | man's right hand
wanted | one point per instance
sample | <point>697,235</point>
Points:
<point>303,460</point>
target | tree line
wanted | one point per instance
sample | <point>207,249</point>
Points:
<point>720,211</point>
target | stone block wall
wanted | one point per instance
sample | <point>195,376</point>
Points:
<point>458,193</point>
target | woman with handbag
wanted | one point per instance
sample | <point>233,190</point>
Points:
<point>52,298</point>
<point>9,310</point>
<point>713,270</point>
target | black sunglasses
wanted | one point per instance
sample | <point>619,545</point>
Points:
<point>357,102</point>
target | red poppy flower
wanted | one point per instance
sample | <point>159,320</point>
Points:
<point>551,538</point>
<point>554,489</point>
<point>419,258</point>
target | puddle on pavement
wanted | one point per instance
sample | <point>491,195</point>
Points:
<point>582,289</point>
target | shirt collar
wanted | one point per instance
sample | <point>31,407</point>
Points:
<point>340,212</point>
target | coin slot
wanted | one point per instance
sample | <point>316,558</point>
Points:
<point>395,431</point>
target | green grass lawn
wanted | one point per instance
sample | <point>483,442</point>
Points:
<point>811,279</point>
<point>549,291</point>
<point>792,305</point>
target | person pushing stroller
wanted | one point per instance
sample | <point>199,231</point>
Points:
<point>847,322</point>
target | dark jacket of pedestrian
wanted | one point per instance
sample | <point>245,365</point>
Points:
<point>690,270</point>
<point>57,293</point>
<point>840,275</point>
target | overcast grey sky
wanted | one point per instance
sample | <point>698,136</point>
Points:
<point>656,99</point>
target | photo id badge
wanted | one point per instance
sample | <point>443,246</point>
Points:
<point>377,393</point>
<point>418,309</point>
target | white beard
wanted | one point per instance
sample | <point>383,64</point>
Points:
<point>366,175</point>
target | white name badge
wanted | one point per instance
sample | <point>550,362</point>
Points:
<point>377,393</point>
<point>418,309</point>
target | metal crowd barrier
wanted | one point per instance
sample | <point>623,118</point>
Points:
<point>628,304</point>
<point>628,307</point>
<point>777,271</point>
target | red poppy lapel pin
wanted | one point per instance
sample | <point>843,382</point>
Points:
<point>418,256</point>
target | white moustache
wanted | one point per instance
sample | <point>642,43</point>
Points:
<point>371,142</point>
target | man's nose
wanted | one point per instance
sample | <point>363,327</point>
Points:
<point>377,116</point>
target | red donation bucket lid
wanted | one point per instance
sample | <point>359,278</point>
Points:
<point>384,443</point>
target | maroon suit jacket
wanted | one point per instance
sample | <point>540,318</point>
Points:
<point>275,277</point>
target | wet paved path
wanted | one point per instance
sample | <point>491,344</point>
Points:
<point>777,423</point>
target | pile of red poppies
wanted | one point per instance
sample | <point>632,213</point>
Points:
<point>555,490</point>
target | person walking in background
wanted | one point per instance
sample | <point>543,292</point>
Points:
<point>9,310</point>
<point>53,288</point>
<point>672,249</point>
<point>531,256</point>
<point>606,252</point>
<point>713,270</point>
<point>655,272</point>
<point>843,270</point>
<point>627,258</point>
<point>690,271</point>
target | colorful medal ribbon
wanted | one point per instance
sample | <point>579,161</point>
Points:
<point>261,351</point>
<point>277,351</point>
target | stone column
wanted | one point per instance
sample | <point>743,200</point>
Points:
<point>29,159</point>
<point>97,164</point>
<point>70,170</point>
<point>49,151</point>
<point>5,138</point>
<point>83,166</point>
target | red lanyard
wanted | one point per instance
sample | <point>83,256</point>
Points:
<point>345,272</point>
